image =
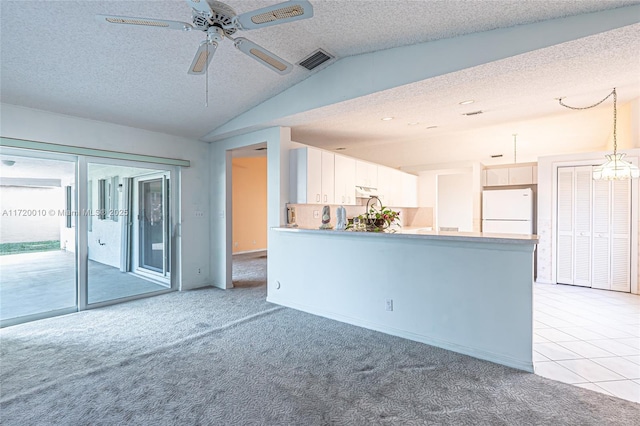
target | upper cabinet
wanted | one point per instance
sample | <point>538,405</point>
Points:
<point>312,179</point>
<point>514,175</point>
<point>322,177</point>
<point>345,180</point>
<point>366,174</point>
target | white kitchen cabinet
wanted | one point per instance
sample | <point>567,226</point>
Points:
<point>520,175</point>
<point>497,177</point>
<point>409,190</point>
<point>516,175</point>
<point>345,180</point>
<point>311,173</point>
<point>593,224</point>
<point>396,188</point>
<point>366,174</point>
<point>328,177</point>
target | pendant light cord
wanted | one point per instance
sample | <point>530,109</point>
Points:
<point>615,113</point>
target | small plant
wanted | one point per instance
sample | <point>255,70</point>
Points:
<point>376,219</point>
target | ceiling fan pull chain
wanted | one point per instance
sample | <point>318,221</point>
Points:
<point>206,79</point>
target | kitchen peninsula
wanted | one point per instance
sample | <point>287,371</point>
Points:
<point>467,292</point>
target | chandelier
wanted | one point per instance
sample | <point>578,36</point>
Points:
<point>616,167</point>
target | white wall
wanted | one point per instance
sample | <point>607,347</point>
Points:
<point>454,208</point>
<point>547,186</point>
<point>469,297</point>
<point>428,189</point>
<point>193,233</point>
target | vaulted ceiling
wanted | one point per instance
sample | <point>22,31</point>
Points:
<point>55,56</point>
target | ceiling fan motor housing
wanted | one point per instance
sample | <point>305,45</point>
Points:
<point>221,17</point>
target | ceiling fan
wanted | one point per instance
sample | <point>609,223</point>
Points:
<point>219,21</point>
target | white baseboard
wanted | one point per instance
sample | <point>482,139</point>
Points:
<point>249,251</point>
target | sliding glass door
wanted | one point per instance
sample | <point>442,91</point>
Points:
<point>153,225</point>
<point>79,232</point>
<point>37,236</point>
<point>128,236</point>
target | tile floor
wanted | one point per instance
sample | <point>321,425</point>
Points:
<point>589,338</point>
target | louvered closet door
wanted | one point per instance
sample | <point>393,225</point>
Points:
<point>601,232</point>
<point>582,226</point>
<point>564,259</point>
<point>621,235</point>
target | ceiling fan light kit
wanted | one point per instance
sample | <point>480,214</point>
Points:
<point>616,167</point>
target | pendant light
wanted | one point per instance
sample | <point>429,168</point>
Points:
<point>616,167</point>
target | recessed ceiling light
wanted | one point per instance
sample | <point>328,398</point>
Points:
<point>470,101</point>
<point>414,123</point>
<point>387,118</point>
<point>341,149</point>
<point>432,127</point>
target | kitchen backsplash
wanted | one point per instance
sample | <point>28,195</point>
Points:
<point>410,217</point>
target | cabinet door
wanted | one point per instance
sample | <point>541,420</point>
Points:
<point>520,175</point>
<point>345,180</point>
<point>366,174</point>
<point>409,190</point>
<point>497,177</point>
<point>328,177</point>
<point>372,175</point>
<point>314,175</point>
<point>384,187</point>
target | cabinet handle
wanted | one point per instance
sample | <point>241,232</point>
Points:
<point>317,198</point>
<point>343,198</point>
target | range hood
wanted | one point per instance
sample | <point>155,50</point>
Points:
<point>365,192</point>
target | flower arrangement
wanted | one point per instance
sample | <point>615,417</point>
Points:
<point>376,219</point>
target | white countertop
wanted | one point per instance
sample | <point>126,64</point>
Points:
<point>424,233</point>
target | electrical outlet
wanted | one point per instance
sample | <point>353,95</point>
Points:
<point>199,271</point>
<point>235,244</point>
<point>389,305</point>
<point>199,213</point>
<point>254,242</point>
<point>316,214</point>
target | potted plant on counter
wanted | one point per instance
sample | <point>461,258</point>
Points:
<point>377,218</point>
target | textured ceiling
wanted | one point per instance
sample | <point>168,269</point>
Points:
<point>56,57</point>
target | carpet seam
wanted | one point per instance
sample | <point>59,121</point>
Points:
<point>141,354</point>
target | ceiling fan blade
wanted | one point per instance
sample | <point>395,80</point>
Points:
<point>263,56</point>
<point>200,6</point>
<point>277,14</point>
<point>145,22</point>
<point>203,57</point>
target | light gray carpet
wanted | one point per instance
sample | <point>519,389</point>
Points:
<point>249,269</point>
<point>228,357</point>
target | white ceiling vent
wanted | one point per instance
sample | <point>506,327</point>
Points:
<point>472,113</point>
<point>316,59</point>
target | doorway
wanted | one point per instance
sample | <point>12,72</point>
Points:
<point>129,250</point>
<point>249,216</point>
